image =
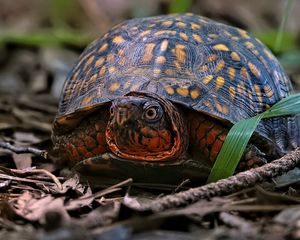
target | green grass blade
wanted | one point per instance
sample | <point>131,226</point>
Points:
<point>240,134</point>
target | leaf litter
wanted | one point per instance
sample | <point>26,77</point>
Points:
<point>39,200</point>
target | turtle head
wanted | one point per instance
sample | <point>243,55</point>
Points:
<point>146,127</point>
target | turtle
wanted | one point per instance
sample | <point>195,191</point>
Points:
<point>155,97</point>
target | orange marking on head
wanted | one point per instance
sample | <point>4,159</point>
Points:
<point>118,39</point>
<point>254,69</point>
<point>148,52</point>
<point>220,65</point>
<point>235,57</point>
<point>197,38</point>
<point>216,147</point>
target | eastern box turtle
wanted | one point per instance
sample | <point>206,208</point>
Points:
<point>154,98</point>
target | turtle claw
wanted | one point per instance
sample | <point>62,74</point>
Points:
<point>252,158</point>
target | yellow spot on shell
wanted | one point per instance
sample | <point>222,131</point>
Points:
<point>148,52</point>
<point>235,38</point>
<point>180,24</point>
<point>241,88</point>
<point>114,87</point>
<point>99,62</point>
<point>144,33</point>
<point>243,33</point>
<point>118,40</point>
<point>207,104</point>
<point>177,64</point>
<point>268,53</point>
<point>164,45</point>
<point>169,89</point>
<point>235,57</point>
<point>103,47</point>
<point>231,73</point>
<point>89,61</point>
<point>195,93</point>
<point>170,72</point>
<point>254,69</point>
<point>161,59</point>
<point>112,69</point>
<point>222,108</point>
<point>183,36</point>
<point>182,91</point>
<point>221,47</point>
<point>102,71</point>
<point>232,92</point>
<point>207,79</point>
<point>156,71</point>
<point>127,85</point>
<point>220,65</point>
<point>212,36</point>
<point>179,52</point>
<point>94,77</point>
<point>220,82</point>
<point>197,38</point>
<point>244,73</point>
<point>258,92</point>
<point>268,91</point>
<point>203,68</point>
<point>110,57</point>
<point>86,100</point>
<point>212,57</point>
<point>195,26</point>
<point>167,23</point>
<point>166,32</point>
<point>249,45</point>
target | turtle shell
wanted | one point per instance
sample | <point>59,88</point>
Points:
<point>199,63</point>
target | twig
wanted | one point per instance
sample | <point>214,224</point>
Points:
<point>226,186</point>
<point>15,149</point>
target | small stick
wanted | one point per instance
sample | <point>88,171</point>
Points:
<point>15,149</point>
<point>229,185</point>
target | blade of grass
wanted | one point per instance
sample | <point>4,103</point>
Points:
<point>240,134</point>
<point>287,10</point>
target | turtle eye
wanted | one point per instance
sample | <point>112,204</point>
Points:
<point>112,111</point>
<point>152,113</point>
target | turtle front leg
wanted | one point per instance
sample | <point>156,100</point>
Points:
<point>253,157</point>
